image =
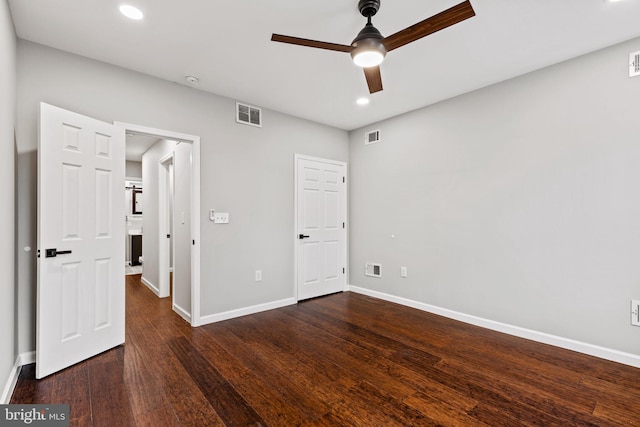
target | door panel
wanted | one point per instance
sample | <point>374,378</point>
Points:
<point>80,291</point>
<point>321,233</point>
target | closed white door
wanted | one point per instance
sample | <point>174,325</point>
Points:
<point>321,235</point>
<point>81,222</point>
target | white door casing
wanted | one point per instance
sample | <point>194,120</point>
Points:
<point>194,209</point>
<point>164,227</point>
<point>80,295</point>
<point>321,233</point>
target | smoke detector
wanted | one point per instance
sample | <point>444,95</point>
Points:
<point>192,80</point>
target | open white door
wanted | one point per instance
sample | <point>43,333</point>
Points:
<point>321,235</point>
<point>80,303</point>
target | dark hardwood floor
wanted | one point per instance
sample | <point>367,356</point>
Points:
<point>341,360</point>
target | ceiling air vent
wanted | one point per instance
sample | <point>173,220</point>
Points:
<point>372,137</point>
<point>248,115</point>
<point>373,270</point>
<point>634,64</point>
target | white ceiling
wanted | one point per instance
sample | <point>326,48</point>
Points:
<point>137,144</point>
<point>227,46</point>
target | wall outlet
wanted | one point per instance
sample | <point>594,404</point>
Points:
<point>403,271</point>
<point>635,312</point>
<point>258,275</point>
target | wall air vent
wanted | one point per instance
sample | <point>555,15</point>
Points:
<point>634,64</point>
<point>372,137</point>
<point>373,270</point>
<point>248,115</point>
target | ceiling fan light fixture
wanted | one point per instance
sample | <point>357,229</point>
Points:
<point>368,53</point>
<point>368,50</point>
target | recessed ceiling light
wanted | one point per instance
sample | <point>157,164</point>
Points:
<point>131,12</point>
<point>362,101</point>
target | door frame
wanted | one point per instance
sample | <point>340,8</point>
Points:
<point>297,157</point>
<point>164,203</point>
<point>194,140</point>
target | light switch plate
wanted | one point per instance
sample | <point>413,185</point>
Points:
<point>221,218</point>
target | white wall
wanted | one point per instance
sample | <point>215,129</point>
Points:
<point>245,171</point>
<point>518,203</point>
<point>150,236</point>
<point>182,227</point>
<point>133,169</point>
<point>8,350</point>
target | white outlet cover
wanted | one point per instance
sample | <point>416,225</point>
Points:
<point>635,312</point>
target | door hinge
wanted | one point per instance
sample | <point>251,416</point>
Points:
<point>194,242</point>
<point>344,179</point>
<point>343,225</point>
<point>342,270</point>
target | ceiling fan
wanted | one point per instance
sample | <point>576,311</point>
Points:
<point>369,47</point>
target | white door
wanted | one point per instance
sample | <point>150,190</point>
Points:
<point>81,221</point>
<point>321,235</point>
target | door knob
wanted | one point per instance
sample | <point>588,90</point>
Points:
<point>302,236</point>
<point>50,253</point>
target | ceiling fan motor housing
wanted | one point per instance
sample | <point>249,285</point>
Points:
<point>368,8</point>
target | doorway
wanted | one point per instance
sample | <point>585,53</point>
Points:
<point>182,165</point>
<point>321,226</point>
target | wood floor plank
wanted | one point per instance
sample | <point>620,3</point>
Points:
<point>29,390</point>
<point>145,394</point>
<point>266,401</point>
<point>443,410</point>
<point>225,400</point>
<point>341,360</point>
<point>110,403</point>
<point>258,362</point>
<point>72,387</point>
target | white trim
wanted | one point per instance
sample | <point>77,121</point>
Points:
<point>164,248</point>
<point>231,314</point>
<point>22,359</point>
<point>151,286</point>
<point>195,206</point>
<point>566,343</point>
<point>297,157</point>
<point>7,392</point>
<point>195,230</point>
<point>182,312</point>
<point>27,358</point>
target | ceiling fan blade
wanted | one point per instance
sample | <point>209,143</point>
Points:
<point>374,79</point>
<point>437,22</point>
<point>310,43</point>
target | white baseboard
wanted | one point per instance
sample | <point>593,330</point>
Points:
<point>21,360</point>
<point>27,358</point>
<point>566,343</point>
<point>11,382</point>
<point>182,312</point>
<point>213,318</point>
<point>148,284</point>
